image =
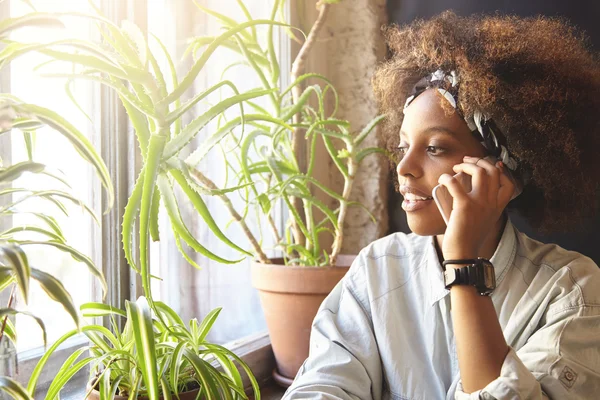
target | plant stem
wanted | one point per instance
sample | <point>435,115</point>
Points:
<point>211,185</point>
<point>339,233</point>
<point>298,143</point>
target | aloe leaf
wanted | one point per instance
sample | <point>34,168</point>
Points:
<point>367,129</point>
<point>32,19</point>
<point>141,317</point>
<point>150,172</point>
<point>16,258</point>
<point>77,255</point>
<point>225,20</point>
<point>365,152</point>
<point>56,291</point>
<point>129,73</point>
<point>190,131</point>
<point>179,111</point>
<point>197,156</point>
<point>154,231</point>
<point>92,309</point>
<point>14,389</point>
<point>254,64</point>
<point>170,203</point>
<point>131,210</point>
<point>203,210</point>
<point>336,160</point>
<point>197,67</point>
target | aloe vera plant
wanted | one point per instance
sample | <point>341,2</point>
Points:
<point>15,270</point>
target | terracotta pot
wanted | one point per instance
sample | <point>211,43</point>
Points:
<point>290,297</point>
<point>191,395</point>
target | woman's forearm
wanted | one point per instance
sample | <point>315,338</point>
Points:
<point>480,342</point>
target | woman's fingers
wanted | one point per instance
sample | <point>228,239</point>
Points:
<point>454,187</point>
<point>507,186</point>
<point>485,178</point>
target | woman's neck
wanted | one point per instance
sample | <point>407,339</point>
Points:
<point>489,246</point>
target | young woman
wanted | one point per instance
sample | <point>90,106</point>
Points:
<point>475,309</point>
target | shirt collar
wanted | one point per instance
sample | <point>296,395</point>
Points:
<point>501,260</point>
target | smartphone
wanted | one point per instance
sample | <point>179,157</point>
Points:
<point>443,198</point>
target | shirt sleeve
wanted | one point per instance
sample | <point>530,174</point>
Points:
<point>343,361</point>
<point>559,361</point>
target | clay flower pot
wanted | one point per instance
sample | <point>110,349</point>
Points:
<point>290,297</point>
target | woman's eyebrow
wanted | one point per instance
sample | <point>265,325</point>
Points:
<point>440,129</point>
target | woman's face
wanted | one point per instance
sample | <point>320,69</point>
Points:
<point>431,143</point>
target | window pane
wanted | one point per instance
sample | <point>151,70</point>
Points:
<point>53,150</point>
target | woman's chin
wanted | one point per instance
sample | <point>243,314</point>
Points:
<point>426,226</point>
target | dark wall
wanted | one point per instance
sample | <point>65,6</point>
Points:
<point>583,13</point>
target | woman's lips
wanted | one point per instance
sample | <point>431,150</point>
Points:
<point>415,205</point>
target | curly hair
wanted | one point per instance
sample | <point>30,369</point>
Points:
<point>539,81</point>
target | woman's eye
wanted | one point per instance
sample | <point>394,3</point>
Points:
<point>402,149</point>
<point>434,149</point>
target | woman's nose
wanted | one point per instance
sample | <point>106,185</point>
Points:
<point>409,165</point>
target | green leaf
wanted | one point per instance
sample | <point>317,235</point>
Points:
<point>14,389</point>
<point>365,152</point>
<point>170,203</point>
<point>92,309</point>
<point>192,129</point>
<point>207,324</point>
<point>10,331</point>
<point>154,231</point>
<point>11,311</point>
<point>265,203</point>
<point>197,156</point>
<point>203,210</point>
<point>77,139</point>
<point>367,129</point>
<point>77,255</point>
<point>197,67</point>
<point>56,291</point>
<point>140,315</point>
<point>32,19</point>
<point>16,258</point>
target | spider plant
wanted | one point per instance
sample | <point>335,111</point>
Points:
<point>15,269</point>
<point>156,354</point>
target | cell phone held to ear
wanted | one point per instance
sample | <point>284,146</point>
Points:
<point>443,198</point>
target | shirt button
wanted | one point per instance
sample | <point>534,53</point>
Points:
<point>569,376</point>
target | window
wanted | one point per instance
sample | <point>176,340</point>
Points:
<point>53,150</point>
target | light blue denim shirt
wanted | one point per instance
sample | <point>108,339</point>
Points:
<point>385,331</point>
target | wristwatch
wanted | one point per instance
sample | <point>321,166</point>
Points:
<point>478,272</point>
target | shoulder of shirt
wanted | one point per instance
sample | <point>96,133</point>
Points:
<point>574,272</point>
<point>386,261</point>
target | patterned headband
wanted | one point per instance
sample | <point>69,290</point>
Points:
<point>480,124</point>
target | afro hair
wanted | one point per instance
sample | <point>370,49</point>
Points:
<point>536,77</point>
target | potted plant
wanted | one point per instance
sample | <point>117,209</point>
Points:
<point>264,149</point>
<point>154,356</point>
<point>262,140</point>
<point>15,269</point>
<point>155,351</point>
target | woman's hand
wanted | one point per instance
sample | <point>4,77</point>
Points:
<point>474,214</point>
